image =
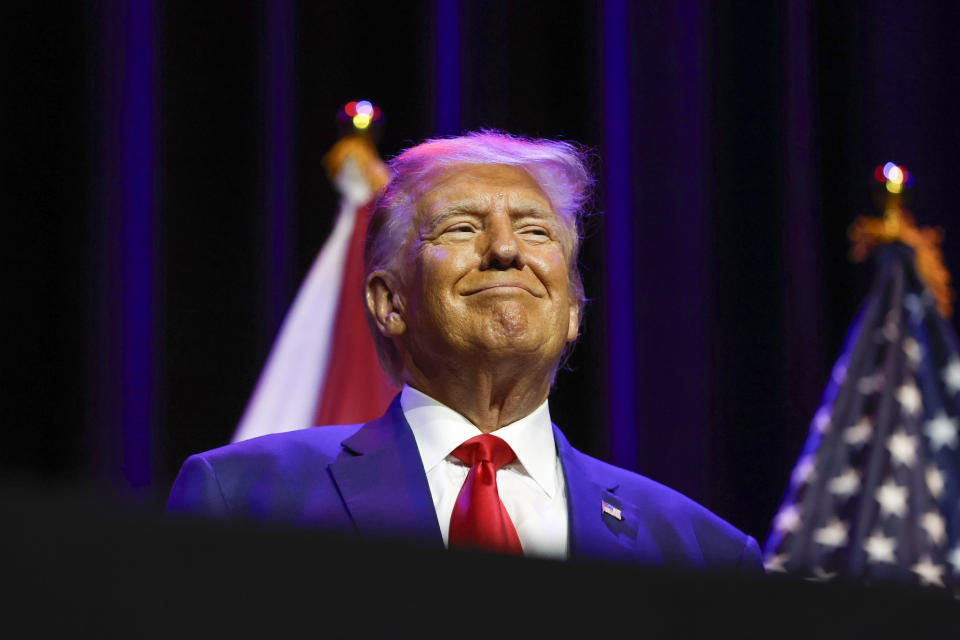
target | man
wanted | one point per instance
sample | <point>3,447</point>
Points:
<point>473,297</point>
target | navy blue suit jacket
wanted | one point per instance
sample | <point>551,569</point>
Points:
<point>369,478</point>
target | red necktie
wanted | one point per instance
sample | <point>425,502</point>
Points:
<point>479,519</point>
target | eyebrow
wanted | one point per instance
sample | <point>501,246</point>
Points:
<point>532,210</point>
<point>461,207</point>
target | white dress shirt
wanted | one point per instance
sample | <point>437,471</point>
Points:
<point>531,487</point>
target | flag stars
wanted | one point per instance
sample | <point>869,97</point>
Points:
<point>893,499</point>
<point>833,534</point>
<point>935,482</point>
<point>839,371</point>
<point>915,306</point>
<point>909,398</point>
<point>902,448</point>
<point>846,483</point>
<point>951,375</point>
<point>821,420</point>
<point>880,548</point>
<point>890,330</point>
<point>776,564</point>
<point>858,433</point>
<point>803,470</point>
<point>954,559</point>
<point>942,431</point>
<point>787,520</point>
<point>928,572</point>
<point>913,351</point>
<point>935,526</point>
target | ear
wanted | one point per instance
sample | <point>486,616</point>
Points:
<point>385,304</point>
<point>573,328</point>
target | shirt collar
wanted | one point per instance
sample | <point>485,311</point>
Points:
<point>438,430</point>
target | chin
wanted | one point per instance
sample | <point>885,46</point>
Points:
<point>516,343</point>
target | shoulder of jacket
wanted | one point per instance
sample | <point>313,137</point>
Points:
<point>651,495</point>
<point>313,441</point>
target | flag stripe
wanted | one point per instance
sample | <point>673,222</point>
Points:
<point>356,389</point>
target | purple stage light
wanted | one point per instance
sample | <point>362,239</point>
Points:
<point>137,205</point>
<point>279,152</point>
<point>122,355</point>
<point>446,62</point>
<point>619,285</point>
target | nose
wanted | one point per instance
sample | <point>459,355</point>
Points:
<point>502,250</point>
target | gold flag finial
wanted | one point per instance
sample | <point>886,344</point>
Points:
<point>898,225</point>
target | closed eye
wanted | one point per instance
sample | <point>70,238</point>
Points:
<point>535,233</point>
<point>460,228</point>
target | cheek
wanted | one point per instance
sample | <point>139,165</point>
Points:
<point>558,264</point>
<point>438,271</point>
<point>427,266</point>
<point>552,269</point>
<point>443,266</point>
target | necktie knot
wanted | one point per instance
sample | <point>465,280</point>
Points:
<point>485,448</point>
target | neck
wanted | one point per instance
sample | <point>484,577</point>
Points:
<point>488,396</point>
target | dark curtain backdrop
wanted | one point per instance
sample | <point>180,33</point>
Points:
<point>734,144</point>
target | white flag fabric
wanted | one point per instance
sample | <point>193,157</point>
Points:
<point>286,395</point>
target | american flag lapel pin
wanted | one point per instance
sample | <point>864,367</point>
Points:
<point>610,510</point>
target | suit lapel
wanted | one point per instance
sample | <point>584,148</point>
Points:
<point>384,488</point>
<point>382,481</point>
<point>595,533</point>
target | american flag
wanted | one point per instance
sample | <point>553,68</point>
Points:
<point>875,494</point>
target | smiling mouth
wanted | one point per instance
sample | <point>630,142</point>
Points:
<point>505,287</point>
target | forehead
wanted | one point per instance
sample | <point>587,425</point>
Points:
<point>481,183</point>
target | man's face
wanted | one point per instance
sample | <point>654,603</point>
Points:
<point>487,273</point>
